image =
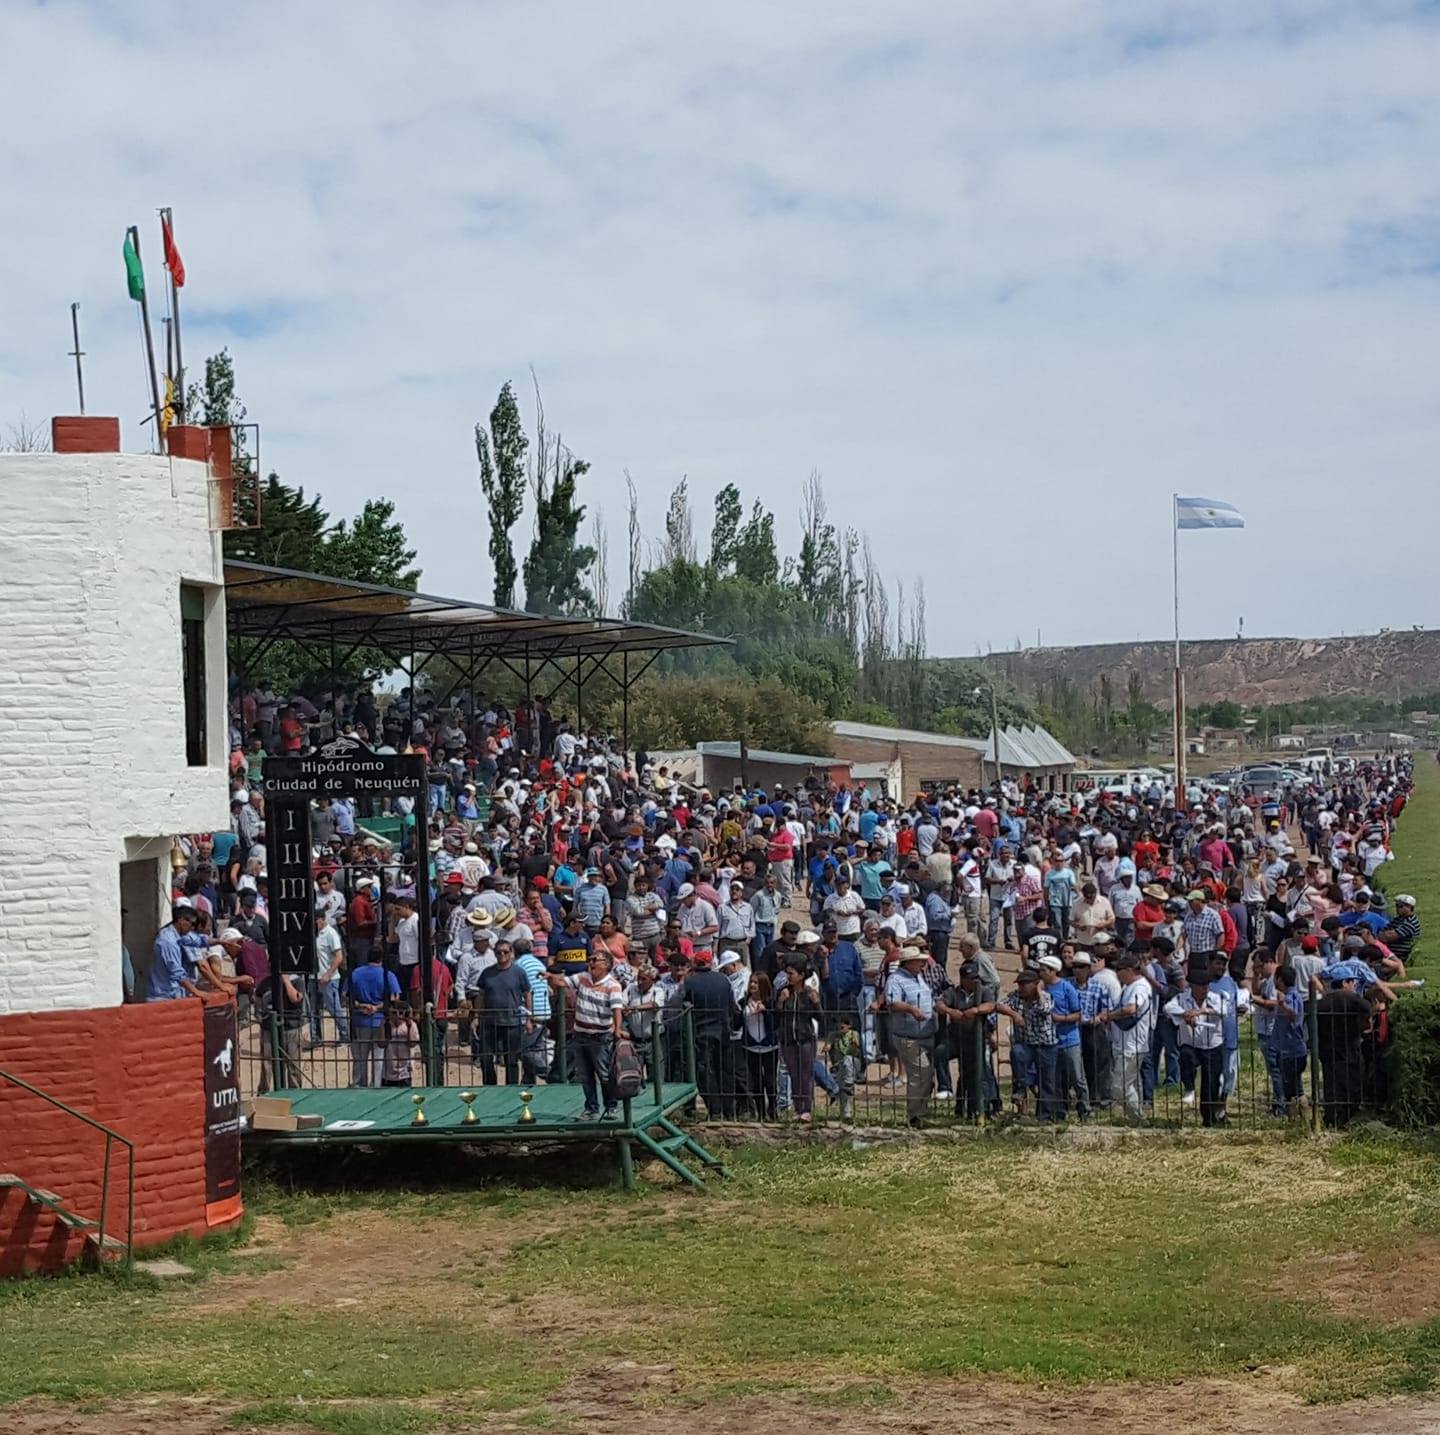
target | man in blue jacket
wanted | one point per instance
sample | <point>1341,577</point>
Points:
<point>843,971</point>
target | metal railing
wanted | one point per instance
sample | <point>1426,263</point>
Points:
<point>111,1137</point>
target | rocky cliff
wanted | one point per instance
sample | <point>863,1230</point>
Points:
<point>1252,671</point>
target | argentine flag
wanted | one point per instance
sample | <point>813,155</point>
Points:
<point>1206,513</point>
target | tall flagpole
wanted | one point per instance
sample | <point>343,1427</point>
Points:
<point>1179,677</point>
<point>149,341</point>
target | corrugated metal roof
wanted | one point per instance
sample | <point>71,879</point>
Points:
<point>760,754</point>
<point>904,734</point>
<point>265,603</point>
<point>1029,747</point>
<point>1020,747</point>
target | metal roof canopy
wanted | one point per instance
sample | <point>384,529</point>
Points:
<point>274,603</point>
<point>334,618</point>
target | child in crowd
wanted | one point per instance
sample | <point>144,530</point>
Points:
<point>845,1064</point>
<point>402,1036</point>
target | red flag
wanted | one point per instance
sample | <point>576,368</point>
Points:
<point>173,262</point>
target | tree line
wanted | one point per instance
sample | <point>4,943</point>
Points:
<point>817,634</point>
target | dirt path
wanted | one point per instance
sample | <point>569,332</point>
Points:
<point>633,1398</point>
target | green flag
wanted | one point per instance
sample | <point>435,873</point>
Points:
<point>134,274</point>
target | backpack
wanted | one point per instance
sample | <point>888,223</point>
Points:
<point>627,1072</point>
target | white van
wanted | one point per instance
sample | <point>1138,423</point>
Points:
<point>1120,781</point>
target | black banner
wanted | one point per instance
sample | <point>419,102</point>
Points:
<point>292,895</point>
<point>222,1114</point>
<point>345,765</point>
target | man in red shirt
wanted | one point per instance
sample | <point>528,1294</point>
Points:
<point>987,821</point>
<point>362,921</point>
<point>1150,913</point>
<point>292,731</point>
<point>441,985</point>
<point>780,850</point>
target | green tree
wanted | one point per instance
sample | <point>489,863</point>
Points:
<point>755,556</point>
<point>557,565</point>
<point>681,710</point>
<point>293,533</point>
<point>1221,714</point>
<point>214,402</point>
<point>372,549</point>
<point>725,535</point>
<point>501,452</point>
<point>297,533</point>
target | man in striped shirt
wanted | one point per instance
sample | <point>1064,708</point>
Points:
<point>1404,930</point>
<point>599,1010</point>
<point>535,1043</point>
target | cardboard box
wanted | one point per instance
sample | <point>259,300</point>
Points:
<point>270,1106</point>
<point>309,1121</point>
<point>272,1121</point>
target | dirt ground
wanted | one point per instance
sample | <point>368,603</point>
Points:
<point>345,1264</point>
<point>1403,1287</point>
<point>631,1399</point>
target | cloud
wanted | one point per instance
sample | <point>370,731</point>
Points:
<point>1008,275</point>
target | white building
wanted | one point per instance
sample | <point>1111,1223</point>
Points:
<point>112,703</point>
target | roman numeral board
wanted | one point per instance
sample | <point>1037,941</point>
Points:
<point>341,768</point>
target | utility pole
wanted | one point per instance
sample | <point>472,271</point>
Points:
<point>995,726</point>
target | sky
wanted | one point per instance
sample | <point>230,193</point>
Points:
<point>1008,273</point>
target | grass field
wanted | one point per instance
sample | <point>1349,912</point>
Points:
<point>1416,868</point>
<point>816,1279</point>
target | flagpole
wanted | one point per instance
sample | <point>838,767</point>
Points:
<point>168,217</point>
<point>149,339</point>
<point>1179,676</point>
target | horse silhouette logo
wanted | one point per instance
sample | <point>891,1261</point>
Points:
<point>342,747</point>
<point>225,1059</point>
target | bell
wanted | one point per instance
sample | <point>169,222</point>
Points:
<point>178,858</point>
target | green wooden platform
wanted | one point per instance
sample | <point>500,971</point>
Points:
<point>370,1116</point>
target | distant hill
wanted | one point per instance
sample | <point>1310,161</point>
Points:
<point>1253,671</point>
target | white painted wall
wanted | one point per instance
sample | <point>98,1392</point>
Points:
<point>93,549</point>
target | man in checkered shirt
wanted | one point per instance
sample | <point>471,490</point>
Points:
<point>1034,1049</point>
<point>1202,927</point>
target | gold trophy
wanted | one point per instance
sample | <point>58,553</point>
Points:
<point>421,1119</point>
<point>471,1119</point>
<point>527,1117</point>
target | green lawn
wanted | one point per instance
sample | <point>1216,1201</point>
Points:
<point>1416,868</point>
<point>829,1274</point>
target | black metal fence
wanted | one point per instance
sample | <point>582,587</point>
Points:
<point>851,1067</point>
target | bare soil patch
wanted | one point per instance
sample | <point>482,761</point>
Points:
<point>1399,1286</point>
<point>636,1399</point>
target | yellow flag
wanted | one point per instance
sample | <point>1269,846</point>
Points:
<point>167,409</point>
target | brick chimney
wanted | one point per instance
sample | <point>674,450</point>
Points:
<point>85,434</point>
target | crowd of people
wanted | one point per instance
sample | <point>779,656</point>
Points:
<point>815,939</point>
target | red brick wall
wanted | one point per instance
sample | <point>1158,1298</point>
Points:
<point>139,1069</point>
